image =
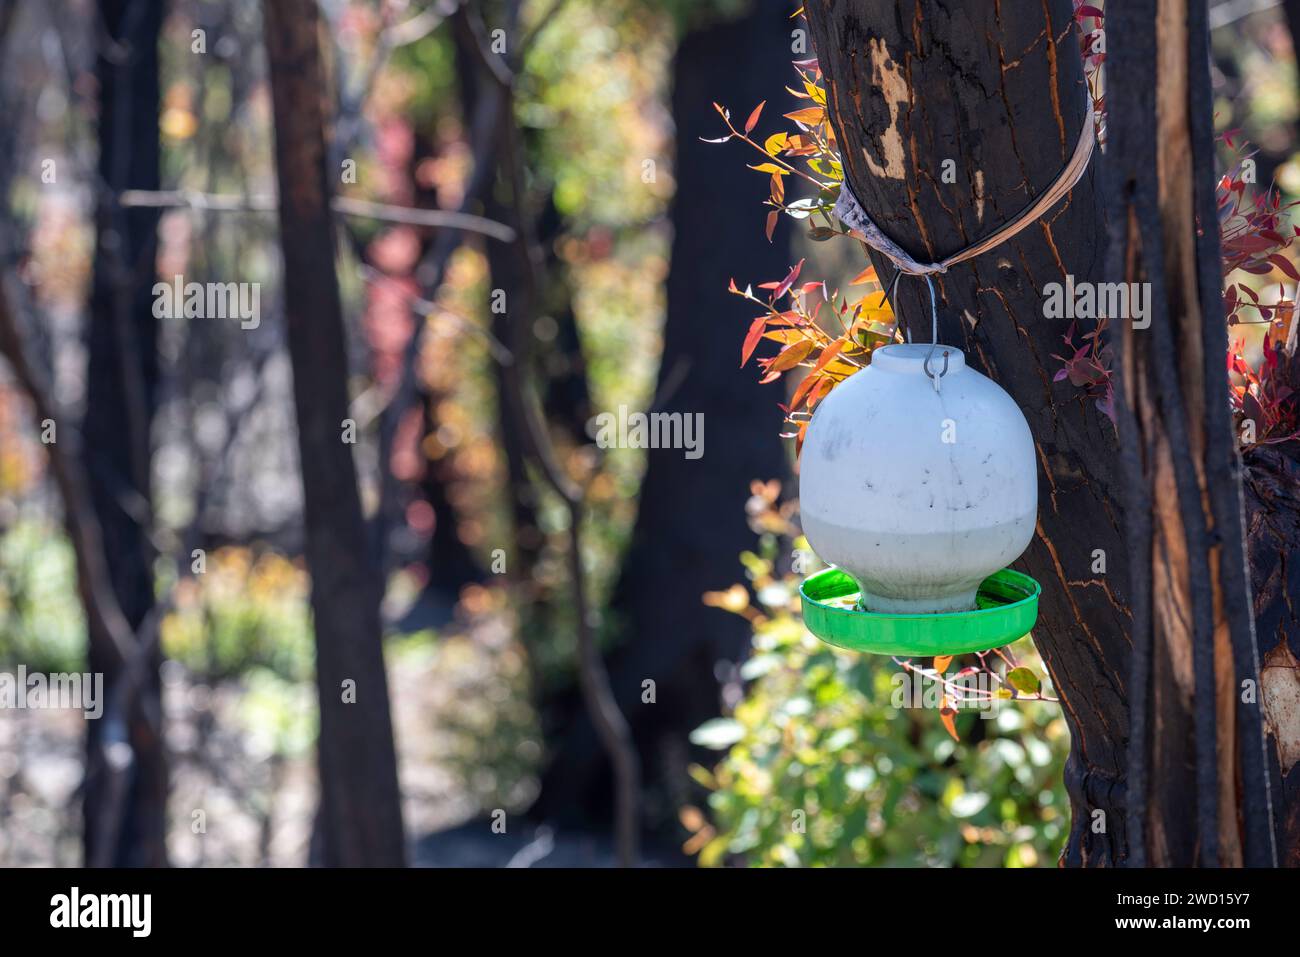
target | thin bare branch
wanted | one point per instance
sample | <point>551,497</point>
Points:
<point>344,205</point>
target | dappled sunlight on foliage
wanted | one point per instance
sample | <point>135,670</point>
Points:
<point>832,760</point>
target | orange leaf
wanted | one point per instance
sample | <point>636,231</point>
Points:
<point>829,353</point>
<point>791,356</point>
<point>772,218</point>
<point>946,716</point>
<point>753,117</point>
<point>941,663</point>
<point>824,386</point>
<point>841,368</point>
<point>785,336</point>
<point>809,116</point>
<point>867,275</point>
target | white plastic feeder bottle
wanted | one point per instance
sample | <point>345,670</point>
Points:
<point>918,493</point>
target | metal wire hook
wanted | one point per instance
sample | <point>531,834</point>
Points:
<point>934,327</point>
<point>934,339</point>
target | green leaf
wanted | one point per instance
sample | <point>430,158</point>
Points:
<point>1022,679</point>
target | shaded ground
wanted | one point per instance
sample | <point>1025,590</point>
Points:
<point>243,775</point>
<point>474,844</point>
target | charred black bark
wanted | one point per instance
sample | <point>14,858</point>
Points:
<point>1201,792</point>
<point>121,379</point>
<point>360,822</point>
<point>1001,93</point>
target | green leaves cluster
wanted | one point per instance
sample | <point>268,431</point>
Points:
<point>817,733</point>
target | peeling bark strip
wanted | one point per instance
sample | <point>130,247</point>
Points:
<point>1000,91</point>
<point>1194,633</point>
<point>360,822</point>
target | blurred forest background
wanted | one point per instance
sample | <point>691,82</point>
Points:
<point>529,231</point>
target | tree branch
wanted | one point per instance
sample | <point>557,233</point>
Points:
<point>344,205</point>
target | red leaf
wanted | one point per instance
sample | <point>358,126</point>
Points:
<point>752,339</point>
<point>1284,264</point>
<point>788,281</point>
<point>801,393</point>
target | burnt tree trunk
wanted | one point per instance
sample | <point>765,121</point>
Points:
<point>121,380</point>
<point>505,269</point>
<point>912,85</point>
<point>452,564</point>
<point>360,820</point>
<point>566,389</point>
<point>691,525</point>
<point>1001,93</point>
<point>1198,771</point>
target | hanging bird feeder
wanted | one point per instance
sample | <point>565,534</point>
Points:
<point>918,482</point>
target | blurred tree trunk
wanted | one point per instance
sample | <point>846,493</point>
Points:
<point>360,816</point>
<point>451,563</point>
<point>121,379</point>
<point>1291,12</point>
<point>566,391</point>
<point>691,525</point>
<point>1010,126</point>
<point>506,272</point>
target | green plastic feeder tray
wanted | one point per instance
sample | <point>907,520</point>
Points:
<point>1007,607</point>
